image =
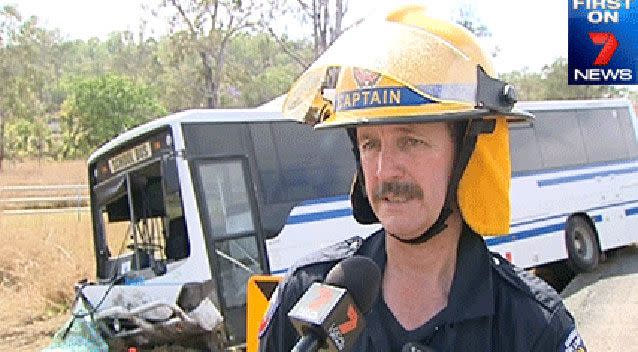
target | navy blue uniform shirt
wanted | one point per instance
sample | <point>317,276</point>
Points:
<point>492,306</point>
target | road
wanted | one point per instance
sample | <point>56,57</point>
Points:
<point>605,302</point>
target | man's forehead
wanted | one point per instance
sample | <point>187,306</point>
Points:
<point>402,128</point>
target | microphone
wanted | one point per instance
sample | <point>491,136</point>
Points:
<point>330,314</point>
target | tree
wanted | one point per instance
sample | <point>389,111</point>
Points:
<point>29,69</point>
<point>324,18</point>
<point>99,108</point>
<point>210,25</point>
<point>258,71</point>
<point>467,17</point>
<point>9,17</point>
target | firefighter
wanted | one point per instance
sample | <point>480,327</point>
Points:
<point>429,127</point>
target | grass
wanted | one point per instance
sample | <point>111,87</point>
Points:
<point>42,257</point>
<point>43,172</point>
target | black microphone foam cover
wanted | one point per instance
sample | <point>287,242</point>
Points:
<point>361,277</point>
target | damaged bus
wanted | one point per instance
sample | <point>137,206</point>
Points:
<point>187,207</point>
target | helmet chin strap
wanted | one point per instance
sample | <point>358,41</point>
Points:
<point>472,130</point>
<point>436,228</point>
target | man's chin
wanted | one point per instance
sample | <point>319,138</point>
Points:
<point>402,232</point>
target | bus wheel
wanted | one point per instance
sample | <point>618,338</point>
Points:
<point>582,245</point>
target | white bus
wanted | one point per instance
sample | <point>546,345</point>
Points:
<point>574,183</point>
<point>187,207</point>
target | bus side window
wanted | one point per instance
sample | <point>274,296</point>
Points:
<point>602,135</point>
<point>629,129</point>
<point>560,138</point>
<point>524,149</point>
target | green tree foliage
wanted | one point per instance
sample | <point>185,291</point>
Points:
<point>30,68</point>
<point>26,138</point>
<point>258,70</point>
<point>209,26</point>
<point>39,69</point>
<point>98,108</point>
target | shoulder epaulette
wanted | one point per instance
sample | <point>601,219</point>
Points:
<point>525,282</point>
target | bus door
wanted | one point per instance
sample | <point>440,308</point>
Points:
<point>228,211</point>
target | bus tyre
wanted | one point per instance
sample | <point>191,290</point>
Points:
<point>582,245</point>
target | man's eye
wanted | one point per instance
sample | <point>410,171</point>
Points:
<point>368,145</point>
<point>412,142</point>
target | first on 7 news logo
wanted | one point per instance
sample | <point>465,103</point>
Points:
<point>603,42</point>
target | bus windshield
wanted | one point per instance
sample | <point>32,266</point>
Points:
<point>138,215</point>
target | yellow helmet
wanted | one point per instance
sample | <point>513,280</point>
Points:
<point>409,67</point>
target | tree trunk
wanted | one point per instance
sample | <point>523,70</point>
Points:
<point>219,68</point>
<point>325,24</point>
<point>209,84</point>
<point>315,26</point>
<point>338,19</point>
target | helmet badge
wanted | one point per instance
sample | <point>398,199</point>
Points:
<point>365,78</point>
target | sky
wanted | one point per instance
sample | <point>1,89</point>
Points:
<point>528,33</point>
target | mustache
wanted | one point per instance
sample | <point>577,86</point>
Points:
<point>407,190</point>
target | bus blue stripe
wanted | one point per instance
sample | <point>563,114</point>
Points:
<point>567,214</point>
<point>608,164</point>
<point>526,234</point>
<point>538,231</point>
<point>338,213</point>
<point>573,178</point>
<point>324,215</point>
<point>326,200</point>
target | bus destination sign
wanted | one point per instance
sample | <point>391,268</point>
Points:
<point>130,157</point>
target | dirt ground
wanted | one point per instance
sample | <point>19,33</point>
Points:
<point>20,337</point>
<point>605,302</point>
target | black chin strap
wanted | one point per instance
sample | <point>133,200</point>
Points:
<point>473,129</point>
<point>436,228</point>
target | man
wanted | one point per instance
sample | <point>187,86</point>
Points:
<point>430,136</point>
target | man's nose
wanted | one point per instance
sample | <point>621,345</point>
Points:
<point>389,164</point>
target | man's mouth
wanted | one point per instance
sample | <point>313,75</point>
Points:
<point>394,199</point>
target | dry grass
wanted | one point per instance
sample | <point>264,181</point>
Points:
<point>41,257</point>
<point>43,172</point>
